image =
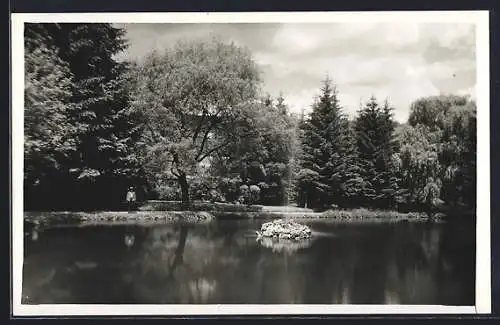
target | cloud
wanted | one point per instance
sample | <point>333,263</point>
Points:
<point>398,61</point>
<point>143,38</point>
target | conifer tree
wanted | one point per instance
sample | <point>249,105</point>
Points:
<point>48,135</point>
<point>353,185</point>
<point>326,151</point>
<point>375,143</point>
<point>106,160</point>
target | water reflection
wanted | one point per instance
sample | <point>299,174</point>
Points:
<point>33,230</point>
<point>201,290</point>
<point>221,263</point>
<point>284,246</point>
<point>34,235</point>
<point>129,240</point>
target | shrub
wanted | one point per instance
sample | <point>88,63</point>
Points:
<point>168,192</point>
<point>363,213</point>
<point>229,187</point>
<point>245,195</point>
<point>198,206</point>
<point>216,196</point>
<point>254,193</point>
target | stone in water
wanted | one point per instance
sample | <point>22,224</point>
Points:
<point>284,230</point>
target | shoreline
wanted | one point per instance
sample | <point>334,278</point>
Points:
<point>116,217</point>
<point>78,218</point>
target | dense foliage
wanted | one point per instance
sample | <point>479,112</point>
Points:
<point>374,127</point>
<point>48,133</point>
<point>438,156</point>
<point>191,123</point>
<point>327,172</point>
<point>428,164</point>
<point>74,64</point>
<point>192,100</point>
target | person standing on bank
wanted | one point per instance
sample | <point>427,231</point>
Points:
<point>130,198</point>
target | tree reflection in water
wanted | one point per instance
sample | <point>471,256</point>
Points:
<point>201,289</point>
<point>165,264</point>
<point>387,264</point>
<point>285,246</point>
<point>221,263</point>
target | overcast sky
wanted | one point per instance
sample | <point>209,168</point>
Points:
<point>400,61</point>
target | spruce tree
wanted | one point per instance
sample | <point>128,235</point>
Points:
<point>374,128</point>
<point>325,151</point>
<point>353,184</point>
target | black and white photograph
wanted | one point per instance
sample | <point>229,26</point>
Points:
<point>336,162</point>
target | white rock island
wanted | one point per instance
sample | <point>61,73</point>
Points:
<point>282,229</point>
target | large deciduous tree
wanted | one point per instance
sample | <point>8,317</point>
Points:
<point>191,98</point>
<point>439,152</point>
<point>264,152</point>
<point>420,167</point>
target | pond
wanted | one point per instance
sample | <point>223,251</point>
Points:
<point>222,262</point>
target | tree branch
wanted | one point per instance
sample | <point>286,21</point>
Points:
<point>153,134</point>
<point>174,173</point>
<point>202,146</point>
<point>225,143</point>
<point>213,123</point>
<point>200,124</point>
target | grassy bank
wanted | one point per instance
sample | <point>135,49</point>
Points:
<point>121,217</point>
<point>365,214</point>
<point>336,216</point>
<point>162,217</point>
<point>260,211</point>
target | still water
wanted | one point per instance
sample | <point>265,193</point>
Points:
<point>222,262</point>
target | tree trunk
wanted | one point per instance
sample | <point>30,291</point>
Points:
<point>184,190</point>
